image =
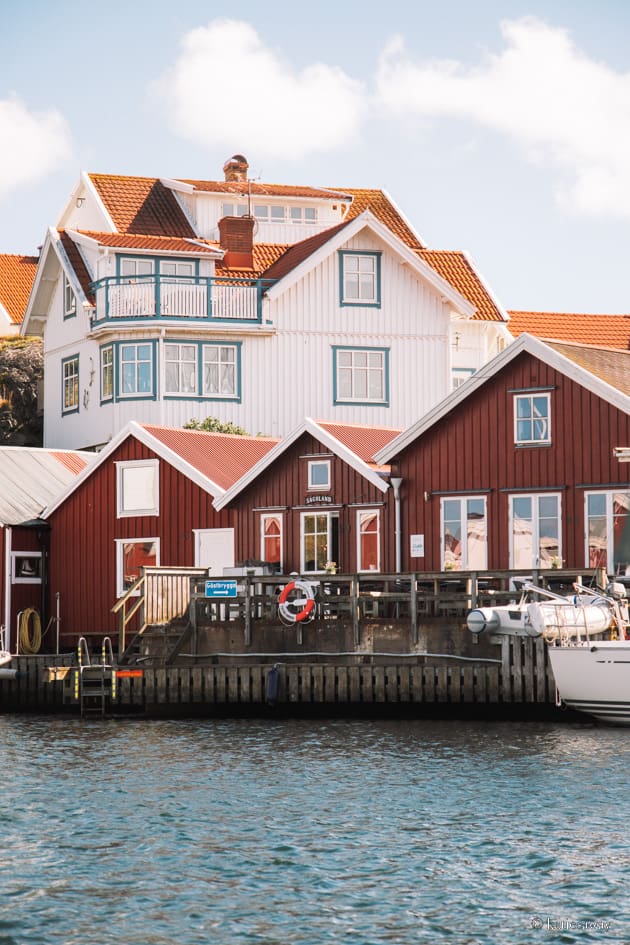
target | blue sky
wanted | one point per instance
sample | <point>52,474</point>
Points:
<point>500,128</point>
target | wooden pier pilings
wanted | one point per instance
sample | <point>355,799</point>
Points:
<point>517,683</point>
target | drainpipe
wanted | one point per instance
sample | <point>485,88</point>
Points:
<point>7,588</point>
<point>396,483</point>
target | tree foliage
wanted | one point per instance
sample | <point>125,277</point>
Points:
<point>214,425</point>
<point>21,371</point>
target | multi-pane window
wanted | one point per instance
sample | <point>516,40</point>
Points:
<point>361,375</point>
<point>320,540</point>
<point>180,368</point>
<point>70,384</point>
<point>136,369</point>
<point>319,474</point>
<point>271,539</point>
<point>608,531</point>
<point>464,534</point>
<point>220,371</point>
<point>107,372</point>
<point>69,299</point>
<point>369,540</point>
<point>532,419</point>
<point>535,531</point>
<point>360,278</point>
<point>234,210</point>
<point>132,268</point>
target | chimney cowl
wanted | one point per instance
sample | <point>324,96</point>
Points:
<point>235,168</point>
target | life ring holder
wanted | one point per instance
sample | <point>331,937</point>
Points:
<point>296,602</point>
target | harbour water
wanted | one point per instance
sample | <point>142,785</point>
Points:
<point>119,832</point>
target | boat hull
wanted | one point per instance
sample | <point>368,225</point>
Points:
<point>594,678</point>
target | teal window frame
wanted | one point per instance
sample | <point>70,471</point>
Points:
<point>67,377</point>
<point>135,395</point>
<point>199,392</point>
<point>344,257</point>
<point>339,400</point>
<point>69,299</point>
<point>107,366</point>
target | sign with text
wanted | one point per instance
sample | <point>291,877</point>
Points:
<point>220,588</point>
<point>417,546</point>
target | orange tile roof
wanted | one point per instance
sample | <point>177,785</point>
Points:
<point>142,205</point>
<point>168,244</point>
<point>78,264</point>
<point>363,440</point>
<point>17,274</point>
<point>73,462</point>
<point>239,188</point>
<point>609,364</point>
<point>382,208</point>
<point>456,269</point>
<point>265,255</point>
<point>221,457</point>
<point>611,331</point>
<point>298,252</point>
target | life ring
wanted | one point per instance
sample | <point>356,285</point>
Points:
<point>296,601</point>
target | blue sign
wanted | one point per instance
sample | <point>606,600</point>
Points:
<point>220,588</point>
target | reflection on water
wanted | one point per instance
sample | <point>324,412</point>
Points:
<point>196,832</point>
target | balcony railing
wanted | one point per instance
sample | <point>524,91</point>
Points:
<point>167,297</point>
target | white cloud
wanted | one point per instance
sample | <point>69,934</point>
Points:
<point>32,144</point>
<point>541,91</point>
<point>227,88</point>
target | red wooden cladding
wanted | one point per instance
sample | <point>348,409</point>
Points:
<point>473,449</point>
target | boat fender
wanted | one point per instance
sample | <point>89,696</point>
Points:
<point>272,686</point>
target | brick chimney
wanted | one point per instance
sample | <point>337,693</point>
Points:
<point>235,168</point>
<point>236,235</point>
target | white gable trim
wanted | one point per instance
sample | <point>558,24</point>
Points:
<point>367,220</point>
<point>163,452</point>
<point>326,438</point>
<point>524,342</point>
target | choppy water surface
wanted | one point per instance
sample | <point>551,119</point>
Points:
<point>194,832</point>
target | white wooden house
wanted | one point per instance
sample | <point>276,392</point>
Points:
<point>161,301</point>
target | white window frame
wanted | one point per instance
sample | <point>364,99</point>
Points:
<point>120,546</point>
<point>463,501</point>
<point>361,513</point>
<point>17,573</point>
<point>532,419</point>
<point>69,298</point>
<point>535,497</point>
<point>329,515</point>
<point>314,464</point>
<point>153,472</point>
<point>612,565</point>
<point>276,516</point>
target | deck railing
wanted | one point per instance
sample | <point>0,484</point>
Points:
<point>195,297</point>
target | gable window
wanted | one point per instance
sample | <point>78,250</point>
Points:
<point>69,299</point>
<point>319,474</point>
<point>107,372</point>
<point>535,531</point>
<point>70,384</point>
<point>360,277</point>
<point>137,488</point>
<point>136,369</point>
<point>320,541</point>
<point>532,419</point>
<point>180,369</point>
<point>271,540</point>
<point>608,531</point>
<point>369,540</point>
<point>464,534</point>
<point>220,370</point>
<point>133,554</point>
<point>361,375</point>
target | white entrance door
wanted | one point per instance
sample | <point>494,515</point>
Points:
<point>214,549</point>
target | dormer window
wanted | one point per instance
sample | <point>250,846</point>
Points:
<point>69,299</point>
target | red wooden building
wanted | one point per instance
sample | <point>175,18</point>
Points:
<point>147,499</point>
<point>316,499</point>
<point>517,468</point>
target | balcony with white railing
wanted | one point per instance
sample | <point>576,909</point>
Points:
<point>199,298</point>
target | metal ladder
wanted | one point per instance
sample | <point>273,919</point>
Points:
<point>95,683</point>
